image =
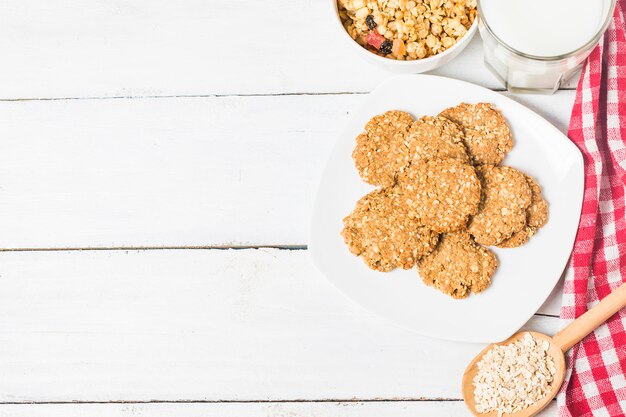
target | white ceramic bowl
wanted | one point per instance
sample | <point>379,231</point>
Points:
<point>404,67</point>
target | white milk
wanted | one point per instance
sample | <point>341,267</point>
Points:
<point>545,27</point>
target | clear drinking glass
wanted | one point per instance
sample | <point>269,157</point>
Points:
<point>520,72</point>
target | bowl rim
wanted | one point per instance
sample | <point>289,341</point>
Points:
<point>460,44</point>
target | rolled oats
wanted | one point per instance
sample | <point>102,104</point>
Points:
<point>416,28</point>
<point>513,377</point>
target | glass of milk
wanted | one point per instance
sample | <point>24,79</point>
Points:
<point>535,45</point>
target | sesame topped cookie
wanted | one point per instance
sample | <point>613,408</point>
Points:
<point>379,231</point>
<point>442,193</point>
<point>538,209</point>
<point>382,151</point>
<point>436,138</point>
<point>458,265</point>
<point>536,217</point>
<point>487,134</point>
<point>505,197</point>
<point>518,238</point>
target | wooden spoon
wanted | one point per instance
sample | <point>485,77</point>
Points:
<point>559,344</point>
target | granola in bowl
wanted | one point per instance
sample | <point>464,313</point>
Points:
<point>407,29</point>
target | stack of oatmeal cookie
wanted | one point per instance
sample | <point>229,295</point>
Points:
<point>442,195</point>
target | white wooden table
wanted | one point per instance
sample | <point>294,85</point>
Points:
<point>157,164</point>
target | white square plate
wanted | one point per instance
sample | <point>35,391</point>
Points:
<point>526,275</point>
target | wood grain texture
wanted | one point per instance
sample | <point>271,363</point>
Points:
<point>330,409</point>
<point>205,325</point>
<point>101,48</point>
<point>221,171</point>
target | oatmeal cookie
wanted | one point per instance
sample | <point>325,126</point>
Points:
<point>458,265</point>
<point>538,209</point>
<point>487,134</point>
<point>505,197</point>
<point>519,238</point>
<point>380,231</point>
<point>536,217</point>
<point>381,151</point>
<point>442,193</point>
<point>436,138</point>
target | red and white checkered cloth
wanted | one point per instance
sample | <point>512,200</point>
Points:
<point>595,383</point>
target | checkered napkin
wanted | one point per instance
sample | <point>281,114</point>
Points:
<point>595,383</point>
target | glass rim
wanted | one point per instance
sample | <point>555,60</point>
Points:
<point>567,55</point>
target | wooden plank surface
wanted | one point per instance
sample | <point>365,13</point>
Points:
<point>306,409</point>
<point>99,48</point>
<point>220,171</point>
<point>205,325</point>
<point>242,105</point>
